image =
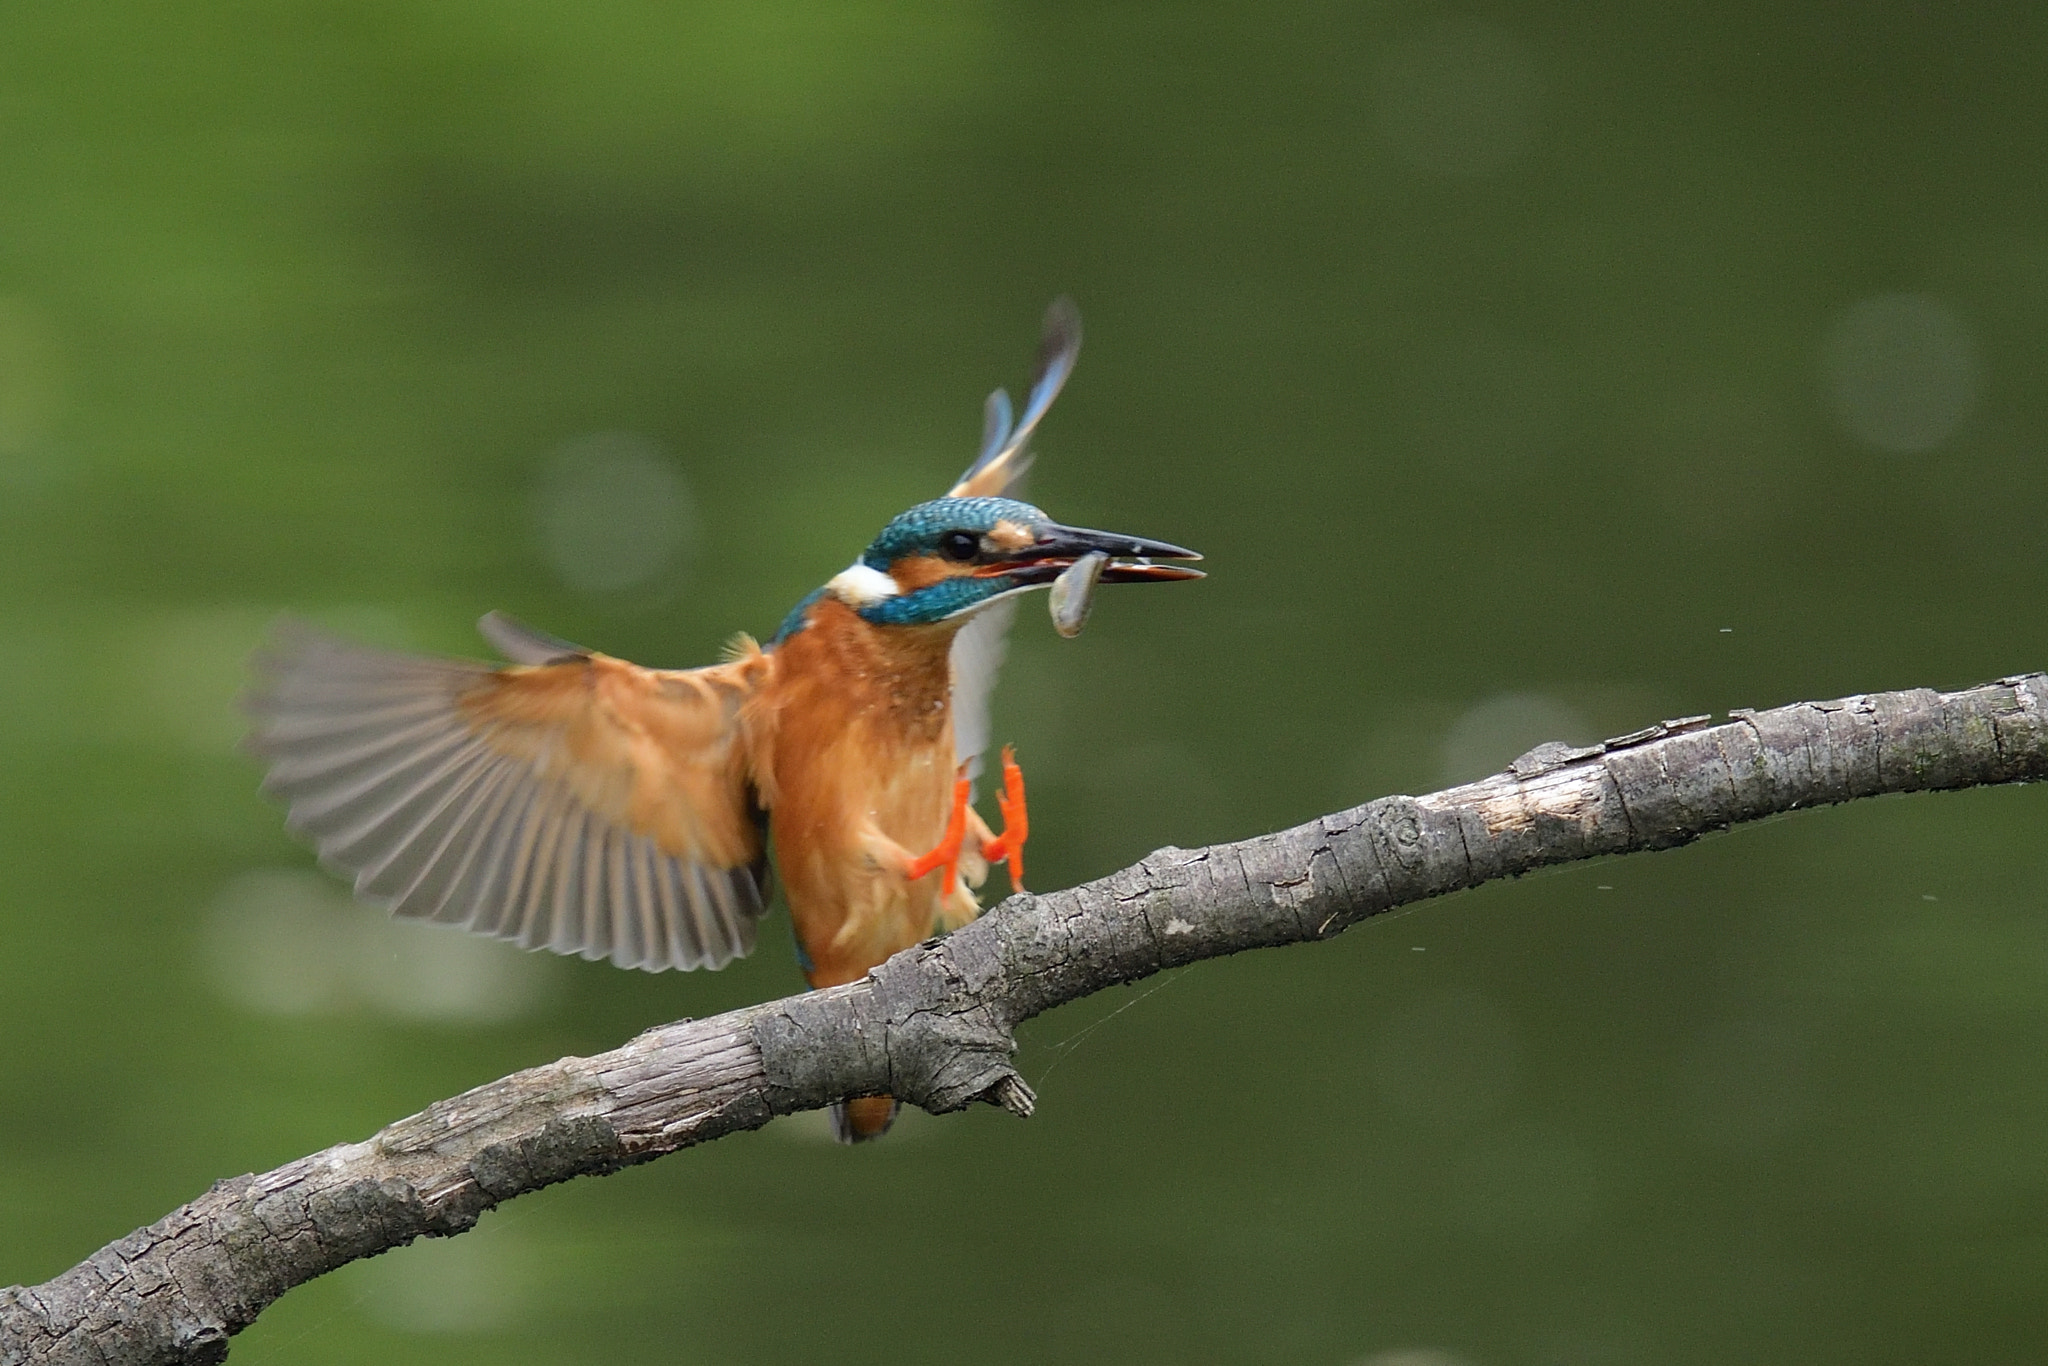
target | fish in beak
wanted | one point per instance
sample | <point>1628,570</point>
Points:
<point>1128,559</point>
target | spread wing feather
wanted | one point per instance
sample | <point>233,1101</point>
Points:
<point>522,644</point>
<point>1005,453</point>
<point>998,469</point>
<point>977,657</point>
<point>575,802</point>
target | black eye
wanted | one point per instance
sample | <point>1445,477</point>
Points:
<point>959,545</point>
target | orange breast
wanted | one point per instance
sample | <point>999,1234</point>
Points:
<point>853,754</point>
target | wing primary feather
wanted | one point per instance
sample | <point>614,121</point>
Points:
<point>290,728</point>
<point>731,915</point>
<point>326,806</point>
<point>723,915</point>
<point>592,913</point>
<point>1059,344</point>
<point>522,644</point>
<point>497,898</point>
<point>617,902</point>
<point>537,928</point>
<point>351,828</point>
<point>469,830</point>
<point>451,900</point>
<point>996,422</point>
<point>640,904</point>
<point>713,916</point>
<point>410,849</point>
<point>304,669</point>
<point>750,892</point>
<point>739,931</point>
<point>574,908</point>
<point>661,951</point>
<point>333,765</point>
<point>629,943</point>
<point>997,471</point>
<point>710,915</point>
<point>668,908</point>
<point>569,934</point>
<point>743,928</point>
<point>689,887</point>
<point>552,905</point>
<point>531,911</point>
<point>484,900</point>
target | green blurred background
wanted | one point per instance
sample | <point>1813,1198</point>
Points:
<point>1525,373</point>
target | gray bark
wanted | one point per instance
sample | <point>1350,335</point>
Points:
<point>934,1025</point>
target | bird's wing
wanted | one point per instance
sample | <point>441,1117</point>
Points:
<point>999,468</point>
<point>1004,447</point>
<point>582,805</point>
<point>977,658</point>
<point>522,644</point>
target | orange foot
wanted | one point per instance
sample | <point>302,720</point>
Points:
<point>946,854</point>
<point>1016,823</point>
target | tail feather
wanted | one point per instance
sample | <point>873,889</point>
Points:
<point>857,1121</point>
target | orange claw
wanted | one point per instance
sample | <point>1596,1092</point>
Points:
<point>1016,822</point>
<point>946,853</point>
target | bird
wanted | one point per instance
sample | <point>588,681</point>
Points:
<point>572,801</point>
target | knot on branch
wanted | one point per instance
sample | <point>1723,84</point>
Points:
<point>203,1345</point>
<point>914,1029</point>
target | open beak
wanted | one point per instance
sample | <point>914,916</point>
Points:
<point>1130,557</point>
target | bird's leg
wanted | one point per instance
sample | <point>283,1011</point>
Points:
<point>946,853</point>
<point>1009,845</point>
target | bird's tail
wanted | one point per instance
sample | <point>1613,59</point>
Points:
<point>857,1121</point>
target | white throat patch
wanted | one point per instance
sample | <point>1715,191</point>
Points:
<point>859,586</point>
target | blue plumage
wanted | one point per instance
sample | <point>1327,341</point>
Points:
<point>917,531</point>
<point>794,622</point>
<point>946,598</point>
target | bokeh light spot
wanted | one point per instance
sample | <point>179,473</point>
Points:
<point>1458,97</point>
<point>283,941</point>
<point>1901,371</point>
<point>614,512</point>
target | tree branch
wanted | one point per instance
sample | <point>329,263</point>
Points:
<point>935,1024</point>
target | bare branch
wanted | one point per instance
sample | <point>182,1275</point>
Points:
<point>935,1024</point>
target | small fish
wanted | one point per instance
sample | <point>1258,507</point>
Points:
<point>1073,593</point>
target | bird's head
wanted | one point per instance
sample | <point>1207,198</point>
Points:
<point>944,559</point>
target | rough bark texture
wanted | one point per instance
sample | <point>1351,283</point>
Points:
<point>934,1025</point>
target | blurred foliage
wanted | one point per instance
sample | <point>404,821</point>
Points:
<point>1524,373</point>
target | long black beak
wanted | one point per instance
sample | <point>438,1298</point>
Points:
<point>1057,547</point>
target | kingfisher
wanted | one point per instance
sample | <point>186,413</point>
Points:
<point>576,802</point>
